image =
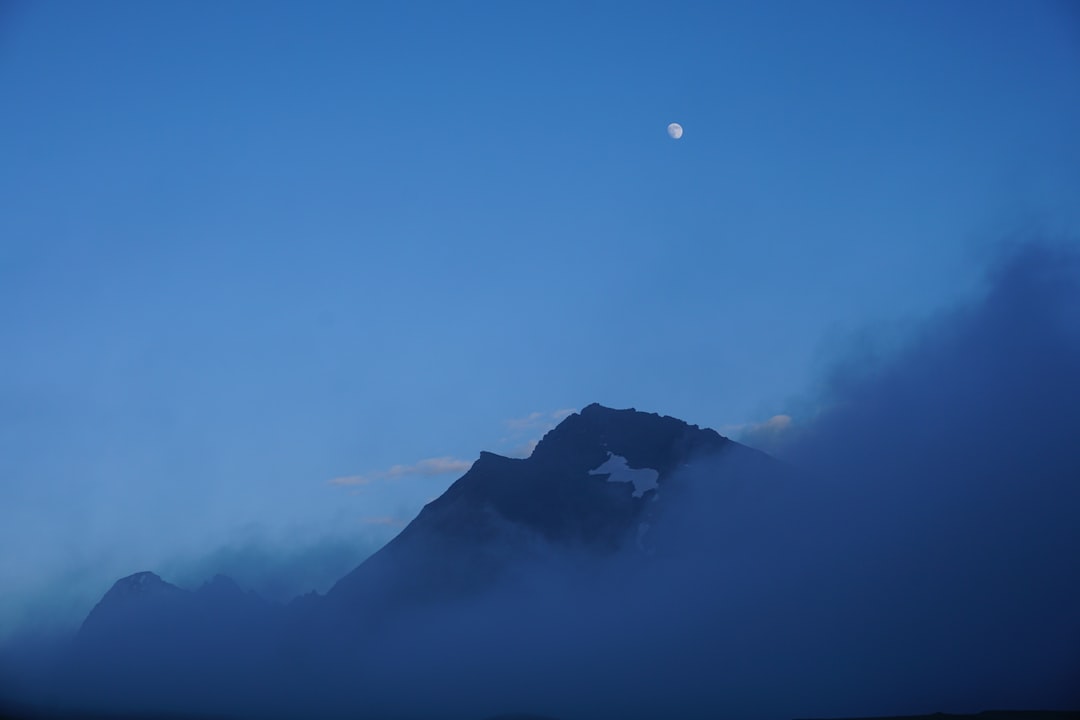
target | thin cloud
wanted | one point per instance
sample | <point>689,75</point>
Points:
<point>526,432</point>
<point>529,421</point>
<point>383,520</point>
<point>539,420</point>
<point>776,423</point>
<point>769,435</point>
<point>429,467</point>
<point>432,466</point>
<point>352,480</point>
<point>524,450</point>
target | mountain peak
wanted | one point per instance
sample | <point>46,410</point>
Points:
<point>589,484</point>
<point>646,440</point>
<point>140,583</point>
<point>139,586</point>
<point>144,577</point>
<point>139,593</point>
<point>598,409</point>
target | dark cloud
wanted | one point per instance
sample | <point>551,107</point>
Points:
<point>914,552</point>
<point>278,568</point>
<point>917,552</point>
<point>939,531</point>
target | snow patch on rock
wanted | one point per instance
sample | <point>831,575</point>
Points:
<point>618,470</point>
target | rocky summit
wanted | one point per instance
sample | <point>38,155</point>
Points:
<point>588,485</point>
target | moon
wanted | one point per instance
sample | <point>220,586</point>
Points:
<point>674,130</point>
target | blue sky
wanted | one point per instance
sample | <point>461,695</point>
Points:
<point>250,248</point>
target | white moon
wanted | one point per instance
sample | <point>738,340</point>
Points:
<point>674,130</point>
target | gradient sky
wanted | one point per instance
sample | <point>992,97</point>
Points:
<point>248,248</point>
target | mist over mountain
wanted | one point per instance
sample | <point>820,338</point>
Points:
<point>911,549</point>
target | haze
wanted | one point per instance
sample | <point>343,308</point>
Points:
<point>272,277</point>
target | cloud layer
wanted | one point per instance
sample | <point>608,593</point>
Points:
<point>916,553</point>
<point>525,433</point>
<point>918,557</point>
<point>429,467</point>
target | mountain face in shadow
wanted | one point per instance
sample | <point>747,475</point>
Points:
<point>585,500</point>
<point>586,489</point>
<point>147,639</point>
<point>157,609</point>
<point>633,565</point>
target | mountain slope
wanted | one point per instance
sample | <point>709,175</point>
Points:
<point>636,566</point>
<point>578,492</point>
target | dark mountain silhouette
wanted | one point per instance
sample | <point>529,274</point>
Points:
<point>586,495</point>
<point>630,553</point>
<point>504,511</point>
<point>142,599</point>
<point>145,610</point>
<point>146,639</point>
